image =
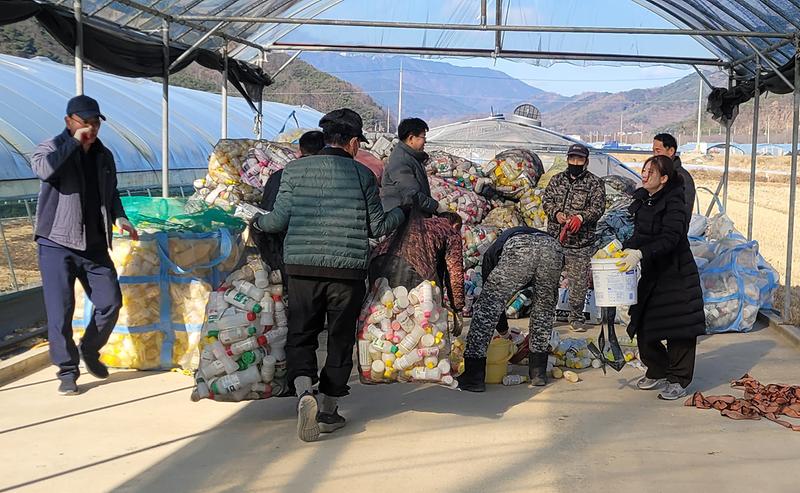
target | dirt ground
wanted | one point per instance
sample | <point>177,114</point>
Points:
<point>19,237</point>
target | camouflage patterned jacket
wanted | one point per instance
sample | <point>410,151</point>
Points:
<point>585,195</point>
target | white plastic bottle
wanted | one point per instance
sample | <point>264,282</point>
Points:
<point>373,333</point>
<point>509,380</point>
<point>407,361</point>
<point>363,356</point>
<point>430,361</point>
<point>429,351</point>
<point>410,341</point>
<point>261,275</point>
<point>277,336</point>
<point>213,369</point>
<point>244,274</point>
<point>239,319</point>
<point>236,381</point>
<point>222,355</point>
<point>383,345</point>
<point>242,301</point>
<point>377,369</point>
<point>267,319</point>
<point>249,289</point>
<point>248,344</point>
<point>281,319</point>
<point>268,368</point>
<point>275,278</point>
<point>427,340</point>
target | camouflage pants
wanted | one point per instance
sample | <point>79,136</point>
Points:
<point>526,259</point>
<point>576,265</point>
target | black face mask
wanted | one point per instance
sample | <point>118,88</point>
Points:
<point>575,169</point>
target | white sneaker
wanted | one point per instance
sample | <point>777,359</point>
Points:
<point>307,426</point>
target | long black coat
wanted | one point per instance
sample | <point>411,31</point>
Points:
<point>670,299</point>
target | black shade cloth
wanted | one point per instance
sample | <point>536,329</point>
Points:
<point>127,53</point>
<point>12,11</point>
<point>723,103</point>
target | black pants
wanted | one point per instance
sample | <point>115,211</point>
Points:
<point>675,362</point>
<point>60,267</point>
<point>312,299</point>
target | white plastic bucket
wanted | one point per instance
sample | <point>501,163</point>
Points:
<point>612,287</point>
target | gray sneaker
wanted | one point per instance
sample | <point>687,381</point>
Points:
<point>307,409</point>
<point>330,422</point>
<point>672,391</point>
<point>68,387</point>
<point>645,383</point>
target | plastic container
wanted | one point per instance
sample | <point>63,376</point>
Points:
<point>236,334</point>
<point>236,381</point>
<point>249,289</point>
<point>497,356</point>
<point>509,380</point>
<point>612,287</point>
<point>241,319</point>
<point>242,301</point>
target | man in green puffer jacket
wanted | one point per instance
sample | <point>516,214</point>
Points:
<point>329,206</point>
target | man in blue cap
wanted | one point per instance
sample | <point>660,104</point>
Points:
<point>78,203</point>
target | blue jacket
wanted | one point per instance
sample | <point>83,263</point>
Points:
<point>59,213</point>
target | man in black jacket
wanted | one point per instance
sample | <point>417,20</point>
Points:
<point>666,145</point>
<point>78,203</point>
<point>405,175</point>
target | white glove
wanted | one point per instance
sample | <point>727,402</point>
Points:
<point>124,225</point>
<point>630,260</point>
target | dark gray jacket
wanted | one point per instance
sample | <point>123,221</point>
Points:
<point>59,213</point>
<point>689,191</point>
<point>404,177</point>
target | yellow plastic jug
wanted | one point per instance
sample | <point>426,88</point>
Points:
<point>497,356</point>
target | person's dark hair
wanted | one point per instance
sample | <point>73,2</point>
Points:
<point>453,218</point>
<point>667,140</point>
<point>664,164</point>
<point>411,126</point>
<point>336,139</point>
<point>311,143</point>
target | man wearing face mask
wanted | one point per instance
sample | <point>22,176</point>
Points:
<point>574,201</point>
<point>329,205</point>
<point>78,203</point>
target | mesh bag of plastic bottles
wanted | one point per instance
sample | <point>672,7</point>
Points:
<point>238,170</point>
<point>403,335</point>
<point>456,170</point>
<point>513,171</point>
<point>503,217</point>
<point>242,348</point>
<point>469,205</point>
<point>403,329</point>
<point>165,278</point>
<point>619,191</point>
<point>736,283</point>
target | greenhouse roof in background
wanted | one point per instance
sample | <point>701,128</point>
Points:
<point>34,102</point>
<point>725,31</point>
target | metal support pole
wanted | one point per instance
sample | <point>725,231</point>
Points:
<point>223,133</point>
<point>165,112</point>
<point>787,300</point>
<point>286,64</point>
<point>400,96</point>
<point>14,283</point>
<point>699,113</point>
<point>753,154</point>
<point>196,45</point>
<point>76,7</point>
<point>483,12</point>
<point>28,211</point>
<point>498,35</point>
<point>726,168</point>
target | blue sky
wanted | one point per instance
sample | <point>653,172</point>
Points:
<point>564,78</point>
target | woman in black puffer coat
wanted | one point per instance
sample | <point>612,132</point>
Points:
<point>670,301</point>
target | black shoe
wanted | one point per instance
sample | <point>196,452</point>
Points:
<point>68,387</point>
<point>537,369</point>
<point>94,366</point>
<point>474,377</point>
<point>330,422</point>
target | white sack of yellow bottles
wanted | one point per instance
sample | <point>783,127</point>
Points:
<point>242,354</point>
<point>403,335</point>
<point>165,278</point>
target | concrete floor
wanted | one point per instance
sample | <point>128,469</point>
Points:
<point>138,432</point>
